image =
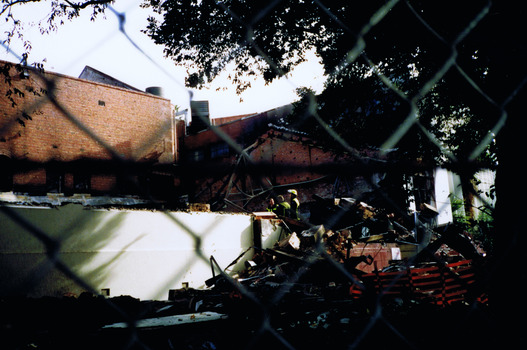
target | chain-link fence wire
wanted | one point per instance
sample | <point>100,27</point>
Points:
<point>378,316</point>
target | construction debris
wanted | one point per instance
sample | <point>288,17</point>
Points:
<point>364,243</point>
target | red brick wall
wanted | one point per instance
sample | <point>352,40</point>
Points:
<point>284,149</point>
<point>136,125</point>
<point>277,149</point>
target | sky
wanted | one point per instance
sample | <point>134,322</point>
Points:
<point>101,45</point>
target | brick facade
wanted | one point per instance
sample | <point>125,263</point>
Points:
<point>284,160</point>
<point>149,152</point>
<point>137,126</point>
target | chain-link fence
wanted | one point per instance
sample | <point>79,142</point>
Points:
<point>310,294</point>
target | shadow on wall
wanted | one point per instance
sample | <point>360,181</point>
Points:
<point>29,267</point>
<point>140,253</point>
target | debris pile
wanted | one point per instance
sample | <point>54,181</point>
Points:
<point>349,261</point>
<point>317,279</point>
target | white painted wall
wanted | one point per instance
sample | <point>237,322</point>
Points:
<point>443,191</point>
<point>132,252</point>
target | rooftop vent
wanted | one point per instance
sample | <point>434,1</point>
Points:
<point>200,117</point>
<point>155,90</point>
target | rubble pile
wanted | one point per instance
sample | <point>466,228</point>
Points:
<point>314,262</point>
<point>359,223</point>
<point>320,286</point>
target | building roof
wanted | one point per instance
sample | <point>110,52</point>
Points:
<point>242,129</point>
<point>225,120</point>
<point>92,74</point>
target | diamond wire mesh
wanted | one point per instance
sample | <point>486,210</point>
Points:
<point>380,317</point>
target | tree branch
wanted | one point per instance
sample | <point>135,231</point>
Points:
<point>85,4</point>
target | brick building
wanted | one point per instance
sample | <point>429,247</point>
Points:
<point>65,134</point>
<point>98,135</point>
<point>278,159</point>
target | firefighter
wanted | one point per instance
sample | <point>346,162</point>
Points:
<point>295,204</point>
<point>272,206</point>
<point>284,208</point>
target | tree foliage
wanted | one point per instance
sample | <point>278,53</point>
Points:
<point>382,60</point>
